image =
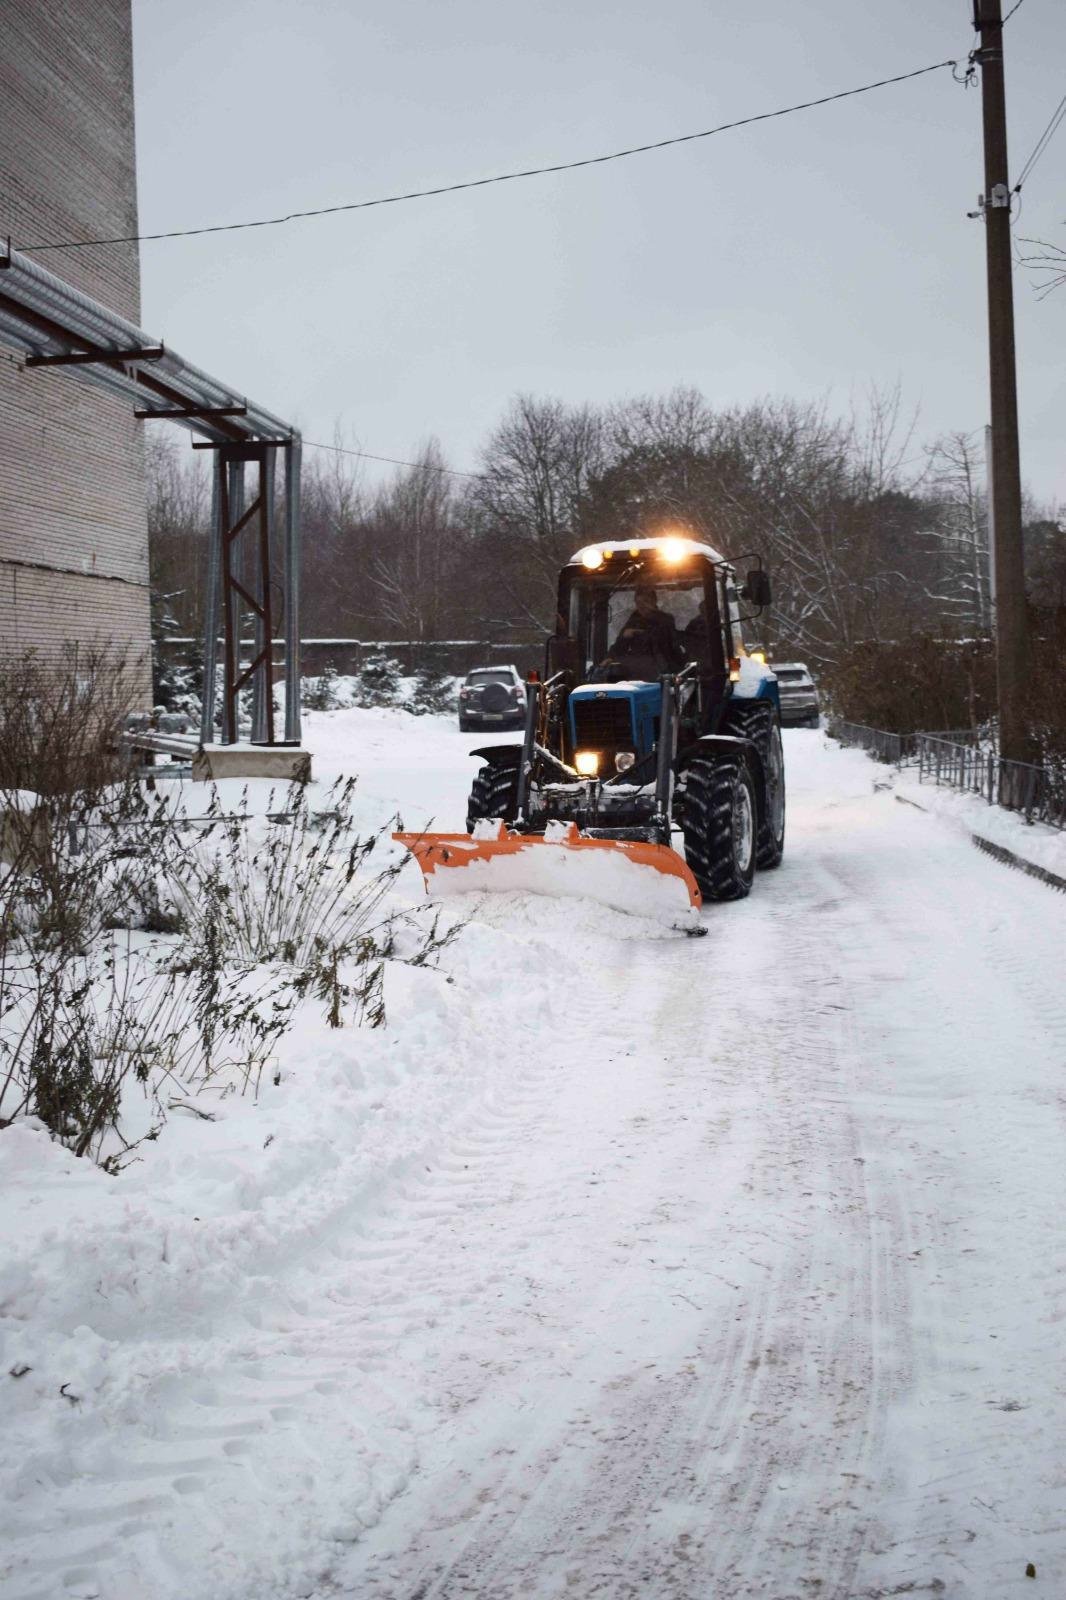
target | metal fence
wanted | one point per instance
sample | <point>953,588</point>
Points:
<point>893,748</point>
<point>1037,793</point>
<point>967,759</point>
<point>902,748</point>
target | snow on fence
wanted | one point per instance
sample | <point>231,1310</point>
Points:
<point>966,759</point>
<point>1036,792</point>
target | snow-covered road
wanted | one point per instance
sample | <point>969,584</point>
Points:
<point>679,1268</point>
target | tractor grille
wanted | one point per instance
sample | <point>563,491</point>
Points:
<point>602,724</point>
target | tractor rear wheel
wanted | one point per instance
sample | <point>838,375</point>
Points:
<point>719,823</point>
<point>758,721</point>
<point>494,792</point>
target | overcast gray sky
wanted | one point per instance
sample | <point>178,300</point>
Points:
<point>809,256</point>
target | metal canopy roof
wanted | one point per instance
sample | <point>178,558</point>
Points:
<point>54,325</point>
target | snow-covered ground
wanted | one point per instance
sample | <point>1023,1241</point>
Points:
<point>1035,842</point>
<point>616,1264</point>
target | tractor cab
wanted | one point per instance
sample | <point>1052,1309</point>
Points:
<point>639,611</point>
<point>629,615</point>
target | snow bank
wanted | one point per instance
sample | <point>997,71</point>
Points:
<point>1034,842</point>
<point>174,1421</point>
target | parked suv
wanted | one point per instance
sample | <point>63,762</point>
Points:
<point>492,697</point>
<point>799,697</point>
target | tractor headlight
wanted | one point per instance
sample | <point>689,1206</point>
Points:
<point>673,550</point>
<point>587,762</point>
<point>624,759</point>
<point>592,558</point>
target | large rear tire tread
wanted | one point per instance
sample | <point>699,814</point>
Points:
<point>494,794</point>
<point>758,721</point>
<point>713,788</point>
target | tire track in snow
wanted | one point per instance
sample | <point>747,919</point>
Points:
<point>701,1444</point>
<point>971,1119</point>
<point>809,1428</point>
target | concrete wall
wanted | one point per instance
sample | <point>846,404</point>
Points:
<point>73,529</point>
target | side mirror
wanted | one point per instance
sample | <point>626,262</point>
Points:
<point>757,587</point>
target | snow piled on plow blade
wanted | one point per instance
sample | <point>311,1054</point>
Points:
<point>645,880</point>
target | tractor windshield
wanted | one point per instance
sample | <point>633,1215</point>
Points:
<point>638,629</point>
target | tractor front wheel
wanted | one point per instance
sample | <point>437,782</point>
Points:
<point>720,826</point>
<point>494,793</point>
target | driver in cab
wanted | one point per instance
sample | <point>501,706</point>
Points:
<point>647,631</point>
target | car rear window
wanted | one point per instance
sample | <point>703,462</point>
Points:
<point>790,675</point>
<point>491,675</point>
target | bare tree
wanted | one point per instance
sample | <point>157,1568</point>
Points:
<point>336,598</point>
<point>959,529</point>
<point>1047,265</point>
<point>179,513</point>
<point>414,549</point>
<point>536,467</point>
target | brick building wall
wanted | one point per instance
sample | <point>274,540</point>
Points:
<point>73,527</point>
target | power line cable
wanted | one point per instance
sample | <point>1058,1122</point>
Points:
<point>503,177</point>
<point>1011,12</point>
<point>393,461</point>
<point>1042,143</point>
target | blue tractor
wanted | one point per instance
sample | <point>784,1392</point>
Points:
<point>653,734</point>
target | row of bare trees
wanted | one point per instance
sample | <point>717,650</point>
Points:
<point>868,534</point>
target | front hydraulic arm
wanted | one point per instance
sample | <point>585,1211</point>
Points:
<point>529,740</point>
<point>664,766</point>
<point>666,753</point>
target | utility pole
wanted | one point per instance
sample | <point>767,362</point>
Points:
<point>1006,507</point>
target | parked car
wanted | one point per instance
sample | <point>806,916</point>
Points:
<point>492,697</point>
<point>799,697</point>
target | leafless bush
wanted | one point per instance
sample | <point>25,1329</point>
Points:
<point>63,788</point>
<point>139,945</point>
<point>298,890</point>
<point>86,857</point>
<point>273,885</point>
<point>914,684</point>
<point>60,721</point>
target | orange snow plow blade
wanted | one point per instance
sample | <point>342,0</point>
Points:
<point>649,880</point>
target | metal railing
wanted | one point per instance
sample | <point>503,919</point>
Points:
<point>1035,792</point>
<point>967,759</point>
<point>893,748</point>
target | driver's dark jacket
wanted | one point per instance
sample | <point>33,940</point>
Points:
<point>654,634</point>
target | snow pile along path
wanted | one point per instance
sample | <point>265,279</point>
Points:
<point>1035,842</point>
<point>623,1264</point>
<point>189,1353</point>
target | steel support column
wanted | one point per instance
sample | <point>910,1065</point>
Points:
<point>247,586</point>
<point>233,520</point>
<point>263,678</point>
<point>241,582</point>
<point>211,607</point>
<point>292,591</point>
